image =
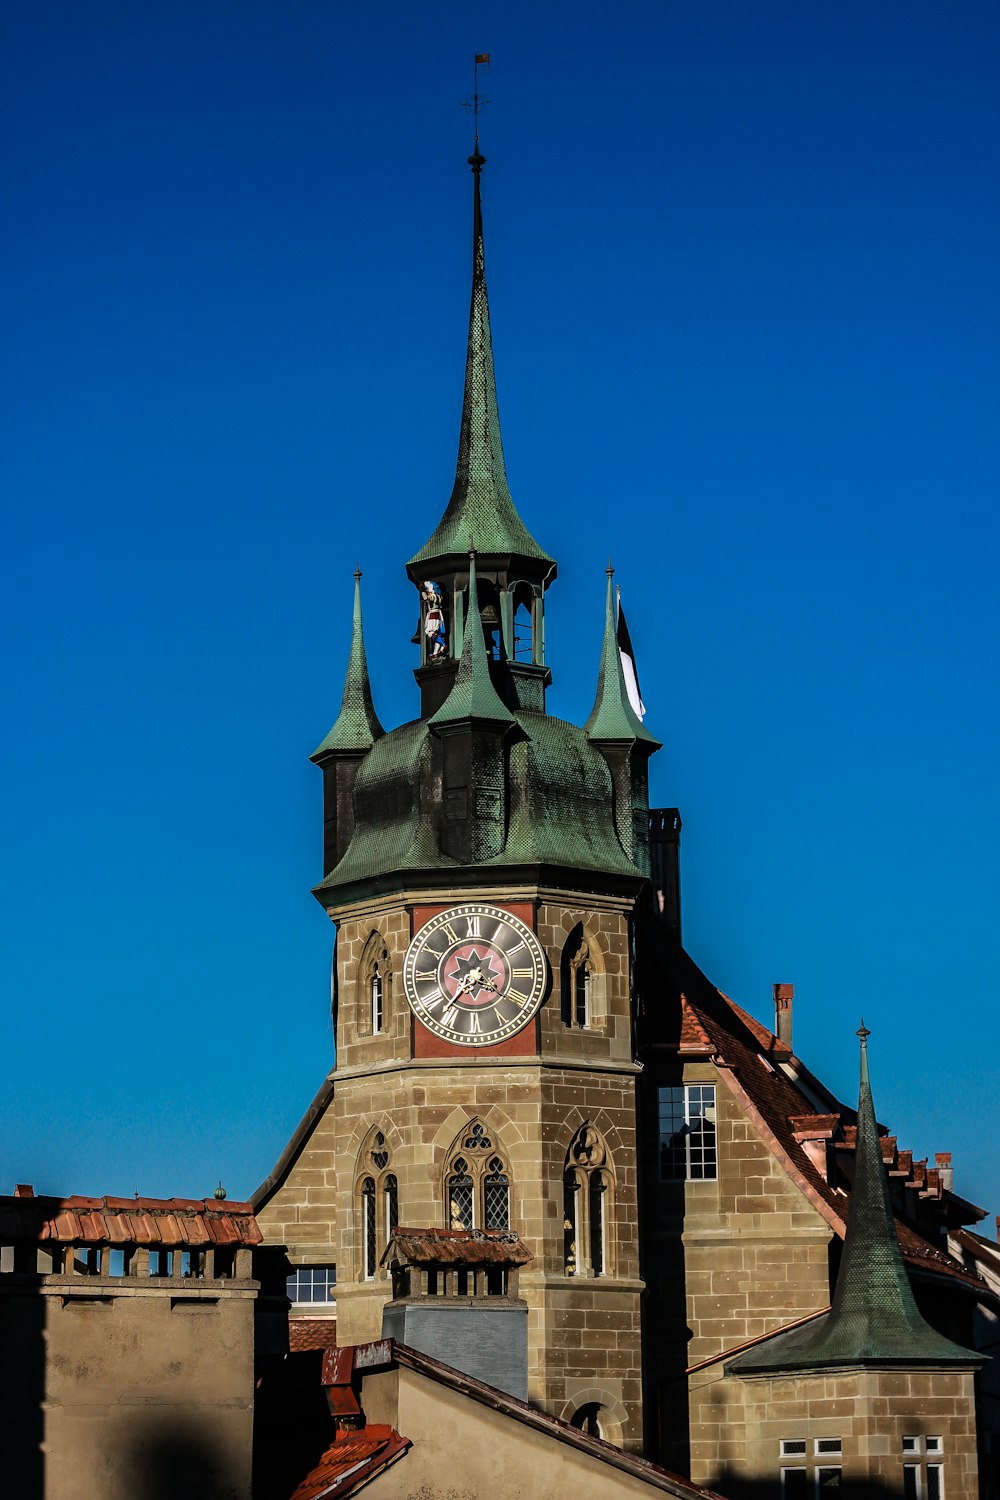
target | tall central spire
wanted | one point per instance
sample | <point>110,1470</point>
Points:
<point>480,514</point>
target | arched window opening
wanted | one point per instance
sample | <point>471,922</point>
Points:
<point>374,987</point>
<point>588,1419</point>
<point>391,1194</point>
<point>524,625</point>
<point>477,1182</point>
<point>598,1188</point>
<point>489,613</point>
<point>588,1206</point>
<point>496,1197</point>
<point>378,1202</point>
<point>369,1227</point>
<point>578,980</point>
<point>571,1188</point>
<point>460,1196</point>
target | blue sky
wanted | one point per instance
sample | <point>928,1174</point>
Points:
<point>742,267</point>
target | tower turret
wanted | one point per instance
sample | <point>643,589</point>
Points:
<point>353,734</point>
<point>513,570</point>
<point>624,741</point>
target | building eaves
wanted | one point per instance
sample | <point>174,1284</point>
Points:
<point>561,1432</point>
<point>127,1221</point>
<point>455,1247</point>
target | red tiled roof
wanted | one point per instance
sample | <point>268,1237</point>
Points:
<point>456,1247</point>
<point>128,1221</point>
<point>311,1333</point>
<point>693,1037</point>
<point>350,1461</point>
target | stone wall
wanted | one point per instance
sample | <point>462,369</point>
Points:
<point>744,1422</point>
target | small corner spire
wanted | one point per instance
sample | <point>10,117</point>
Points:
<point>473,695</point>
<point>612,716</point>
<point>357,726</point>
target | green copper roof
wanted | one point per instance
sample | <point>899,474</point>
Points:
<point>612,716</point>
<point>873,1319</point>
<point>357,726</point>
<point>473,695</point>
<point>481,513</point>
<point>560,807</point>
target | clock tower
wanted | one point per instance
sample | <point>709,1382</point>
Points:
<point>481,864</point>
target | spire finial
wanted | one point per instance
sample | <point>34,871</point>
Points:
<point>863,1032</point>
<point>477,160</point>
<point>612,716</point>
<point>357,725</point>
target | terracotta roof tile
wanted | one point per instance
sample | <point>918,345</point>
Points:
<point>311,1333</point>
<point>456,1247</point>
<point>351,1461</point>
<point>693,1037</point>
<point>127,1221</point>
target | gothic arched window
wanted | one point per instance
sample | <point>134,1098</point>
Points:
<point>588,1206</point>
<point>378,1202</point>
<point>369,1255</point>
<point>374,987</point>
<point>581,976</point>
<point>477,1182</point>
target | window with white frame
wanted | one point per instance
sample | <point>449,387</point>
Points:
<point>808,1471</point>
<point>923,1475</point>
<point>313,1284</point>
<point>687,1133</point>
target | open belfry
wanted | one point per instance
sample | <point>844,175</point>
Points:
<point>551,1154</point>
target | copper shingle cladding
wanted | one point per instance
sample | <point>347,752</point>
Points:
<point>127,1221</point>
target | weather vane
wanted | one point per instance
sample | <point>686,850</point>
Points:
<point>475,104</point>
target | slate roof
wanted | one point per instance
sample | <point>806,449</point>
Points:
<point>128,1221</point>
<point>706,1021</point>
<point>481,513</point>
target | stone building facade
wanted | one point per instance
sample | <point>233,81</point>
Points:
<point>679,1178</point>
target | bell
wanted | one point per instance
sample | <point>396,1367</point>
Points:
<point>490,616</point>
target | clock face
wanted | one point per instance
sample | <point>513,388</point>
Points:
<point>474,975</point>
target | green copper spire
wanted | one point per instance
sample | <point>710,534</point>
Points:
<point>873,1318</point>
<point>612,716</point>
<point>357,726</point>
<point>481,513</point>
<point>473,695</point>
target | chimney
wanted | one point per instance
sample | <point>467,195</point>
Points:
<point>784,994</point>
<point>942,1160</point>
<point>24,1190</point>
<point>665,865</point>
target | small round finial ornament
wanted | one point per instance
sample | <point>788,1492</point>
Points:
<point>863,1031</point>
<point>219,1193</point>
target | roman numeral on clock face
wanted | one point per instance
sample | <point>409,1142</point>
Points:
<point>472,927</point>
<point>449,1017</point>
